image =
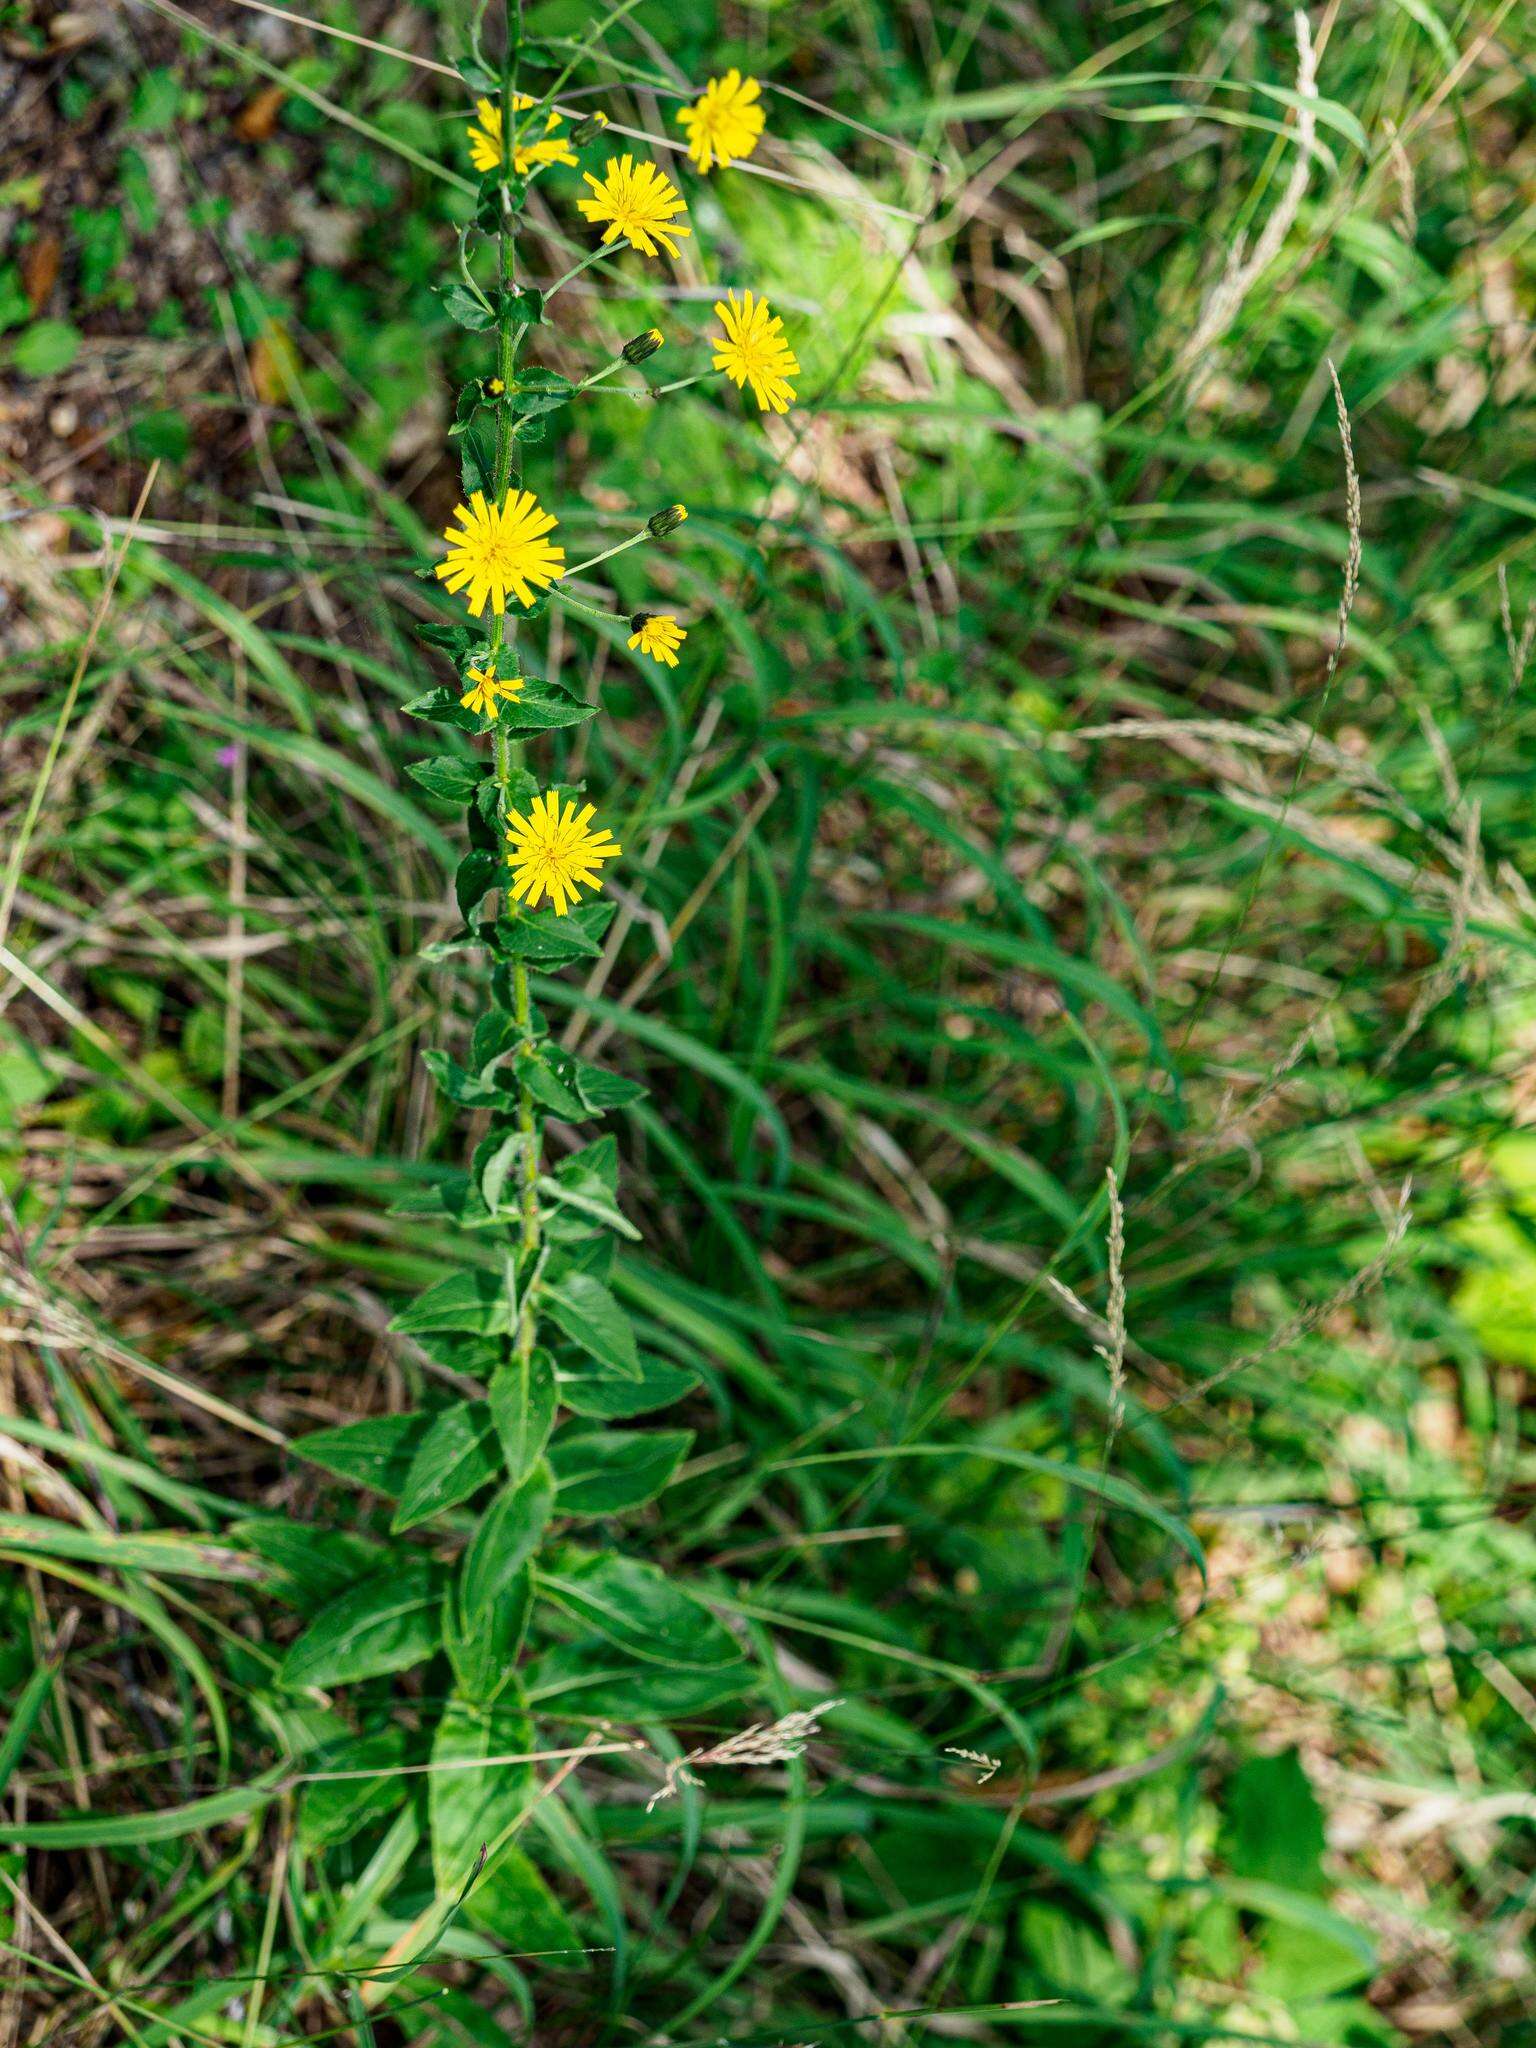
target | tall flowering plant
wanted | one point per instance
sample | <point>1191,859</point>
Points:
<point>539,1437</point>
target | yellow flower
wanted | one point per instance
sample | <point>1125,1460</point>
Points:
<point>496,387</point>
<point>485,141</point>
<point>753,351</point>
<point>500,548</point>
<point>638,202</point>
<point>489,689</point>
<point>554,854</point>
<point>725,122</point>
<point>658,636</point>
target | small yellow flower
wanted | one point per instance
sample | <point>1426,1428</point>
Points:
<point>488,689</point>
<point>554,854</point>
<point>496,387</point>
<point>725,122</point>
<point>485,141</point>
<point>639,203</point>
<point>498,548</point>
<point>753,351</point>
<point>659,636</point>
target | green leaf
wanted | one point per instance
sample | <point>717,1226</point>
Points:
<point>548,941</point>
<point>375,1452</point>
<point>46,348</point>
<point>514,1905</point>
<point>523,1404</point>
<point>386,1624</point>
<point>470,1807</point>
<point>604,1471</point>
<point>333,1810</point>
<point>313,1564</point>
<point>447,777</point>
<point>1274,1825</point>
<point>477,872</point>
<point>509,1533</point>
<point>601,1089</point>
<point>477,459</point>
<point>152,1550</point>
<point>543,707</point>
<point>465,310</point>
<point>458,1084</point>
<point>540,391</point>
<point>475,1301</point>
<point>584,1189</point>
<point>442,707</point>
<point>584,1310</point>
<point>537,1076</point>
<point>458,1455</point>
<point>606,1399</point>
<point>494,1591</point>
<point>641,1611</point>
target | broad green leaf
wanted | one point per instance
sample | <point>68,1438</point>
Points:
<point>386,1624</point>
<point>448,777</point>
<point>523,1401</point>
<point>610,1400</point>
<point>313,1563</point>
<point>472,1300</point>
<point>583,1309</point>
<point>375,1452</point>
<point>470,1807</point>
<point>332,1810</point>
<point>494,1590</point>
<point>640,1610</point>
<point>509,1533</point>
<point>514,1905</point>
<point>458,1455</point>
<point>602,1471</point>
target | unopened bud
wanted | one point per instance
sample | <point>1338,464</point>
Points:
<point>642,345</point>
<point>666,521</point>
<point>588,130</point>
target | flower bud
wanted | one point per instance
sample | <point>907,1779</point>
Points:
<point>642,345</point>
<point>588,130</point>
<point>666,521</point>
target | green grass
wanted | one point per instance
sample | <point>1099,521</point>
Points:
<point>916,952</point>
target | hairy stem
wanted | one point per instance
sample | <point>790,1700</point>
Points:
<point>509,333</point>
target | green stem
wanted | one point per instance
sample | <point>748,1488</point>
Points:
<point>528,1165</point>
<point>593,256</point>
<point>608,553</point>
<point>509,334</point>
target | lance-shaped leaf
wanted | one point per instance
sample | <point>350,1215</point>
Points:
<point>523,1407</point>
<point>604,1471</point>
<point>640,1610</point>
<point>375,1452</point>
<point>473,1301</point>
<point>584,1310</point>
<point>386,1624</point>
<point>458,1455</point>
<point>473,1797</point>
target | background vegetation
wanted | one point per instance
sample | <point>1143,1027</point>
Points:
<point>1009,823</point>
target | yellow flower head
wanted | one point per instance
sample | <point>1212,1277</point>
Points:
<point>753,351</point>
<point>725,122</point>
<point>659,636</point>
<point>487,689</point>
<point>554,854</point>
<point>639,204</point>
<point>485,141</point>
<point>498,548</point>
